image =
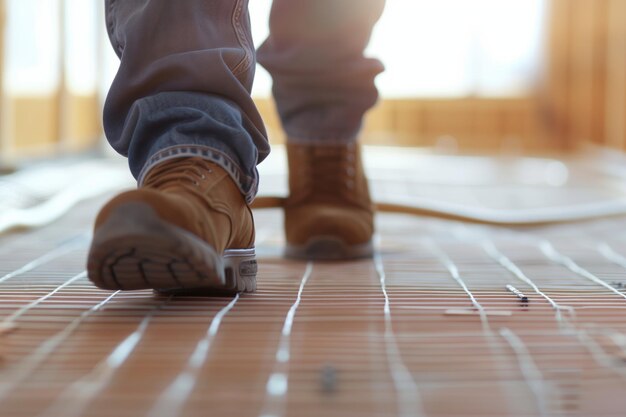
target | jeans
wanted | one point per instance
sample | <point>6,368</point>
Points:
<point>187,67</point>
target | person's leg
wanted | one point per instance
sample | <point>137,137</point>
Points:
<point>183,85</point>
<point>323,85</point>
<point>180,109</point>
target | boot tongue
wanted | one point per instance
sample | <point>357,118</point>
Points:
<point>324,173</point>
<point>329,170</point>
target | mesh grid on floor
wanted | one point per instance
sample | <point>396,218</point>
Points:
<point>426,328</point>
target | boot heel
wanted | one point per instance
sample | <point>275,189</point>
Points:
<point>240,269</point>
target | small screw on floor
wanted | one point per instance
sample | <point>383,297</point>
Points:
<point>520,295</point>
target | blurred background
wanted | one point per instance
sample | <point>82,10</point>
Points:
<point>480,76</point>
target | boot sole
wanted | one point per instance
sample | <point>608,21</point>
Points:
<point>135,249</point>
<point>329,248</point>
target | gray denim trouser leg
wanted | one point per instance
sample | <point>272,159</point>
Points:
<point>323,84</point>
<point>186,71</point>
<point>183,86</point>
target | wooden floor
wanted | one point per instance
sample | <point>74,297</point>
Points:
<point>426,328</point>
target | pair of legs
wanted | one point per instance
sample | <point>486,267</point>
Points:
<point>183,91</point>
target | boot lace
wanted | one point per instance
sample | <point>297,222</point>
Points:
<point>327,172</point>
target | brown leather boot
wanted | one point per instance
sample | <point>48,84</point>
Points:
<point>328,214</point>
<point>187,228</point>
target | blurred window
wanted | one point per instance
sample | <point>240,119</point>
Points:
<point>442,48</point>
<point>447,48</point>
<point>33,46</point>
